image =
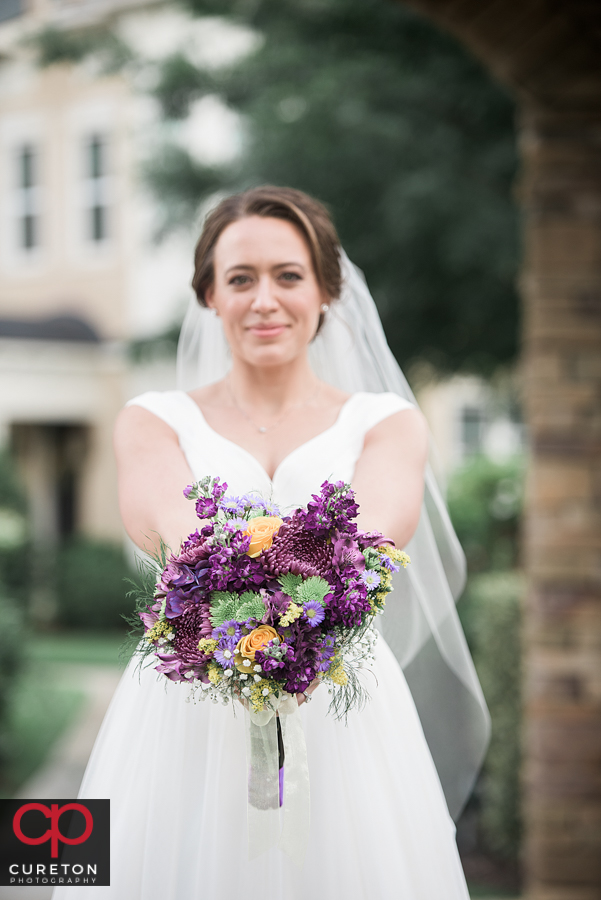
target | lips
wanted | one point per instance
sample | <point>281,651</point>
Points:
<point>267,331</point>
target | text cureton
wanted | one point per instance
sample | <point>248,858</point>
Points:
<point>52,869</point>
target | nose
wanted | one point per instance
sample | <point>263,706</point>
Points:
<point>265,300</point>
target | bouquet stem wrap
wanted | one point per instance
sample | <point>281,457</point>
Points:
<point>265,826</point>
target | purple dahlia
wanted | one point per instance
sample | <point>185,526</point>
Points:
<point>194,551</point>
<point>298,551</point>
<point>192,625</point>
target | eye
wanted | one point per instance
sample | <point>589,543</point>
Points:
<point>239,280</point>
<point>291,276</point>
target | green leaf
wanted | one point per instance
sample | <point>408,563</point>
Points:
<point>224,608</point>
<point>256,513</point>
<point>372,558</point>
<point>252,609</point>
<point>314,588</point>
<point>290,584</point>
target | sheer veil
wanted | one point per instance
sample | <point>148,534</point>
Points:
<point>420,623</point>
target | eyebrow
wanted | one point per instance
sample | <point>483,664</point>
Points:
<point>278,266</point>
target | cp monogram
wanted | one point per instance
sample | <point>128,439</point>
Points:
<point>54,835</point>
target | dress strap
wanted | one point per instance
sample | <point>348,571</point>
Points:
<point>368,410</point>
<point>173,407</point>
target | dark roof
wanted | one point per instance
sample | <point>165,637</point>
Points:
<point>56,328</point>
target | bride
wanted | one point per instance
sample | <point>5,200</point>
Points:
<point>271,407</point>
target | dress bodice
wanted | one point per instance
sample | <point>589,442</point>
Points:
<point>331,455</point>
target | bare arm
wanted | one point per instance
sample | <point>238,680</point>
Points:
<point>389,476</point>
<point>152,473</point>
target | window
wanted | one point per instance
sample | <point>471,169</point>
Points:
<point>27,191</point>
<point>472,421</point>
<point>96,169</point>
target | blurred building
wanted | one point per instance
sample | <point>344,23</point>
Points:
<point>73,255</point>
<point>469,417</point>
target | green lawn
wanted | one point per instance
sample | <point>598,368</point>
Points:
<point>42,706</point>
<point>39,711</point>
<point>95,649</point>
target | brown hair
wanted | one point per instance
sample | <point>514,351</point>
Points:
<point>308,214</point>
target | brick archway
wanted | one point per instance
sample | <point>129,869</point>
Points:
<point>549,53</point>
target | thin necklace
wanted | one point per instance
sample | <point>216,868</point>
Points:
<point>264,429</point>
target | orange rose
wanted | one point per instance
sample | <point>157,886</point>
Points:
<point>261,531</point>
<point>248,645</point>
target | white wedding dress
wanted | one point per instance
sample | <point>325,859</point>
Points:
<point>175,771</point>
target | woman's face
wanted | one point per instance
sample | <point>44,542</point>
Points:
<point>265,290</point>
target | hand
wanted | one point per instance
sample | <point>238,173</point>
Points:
<point>301,697</point>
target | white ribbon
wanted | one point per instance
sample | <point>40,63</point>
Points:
<point>265,828</point>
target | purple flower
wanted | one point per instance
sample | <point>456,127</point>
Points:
<point>277,604</point>
<point>206,508</point>
<point>370,578</point>
<point>328,650</point>
<point>209,502</point>
<point>175,605</point>
<point>228,631</point>
<point>177,670</point>
<point>255,501</point>
<point>235,524</point>
<point>334,507</point>
<point>372,539</point>
<point>349,605</point>
<point>151,617</point>
<point>171,666</point>
<point>230,569</point>
<point>347,554</point>
<point>299,551</point>
<point>233,505</point>
<point>224,654</point>
<point>192,625</point>
<point>194,549</point>
<point>313,612</point>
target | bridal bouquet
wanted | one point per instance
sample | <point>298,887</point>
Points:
<point>256,605</point>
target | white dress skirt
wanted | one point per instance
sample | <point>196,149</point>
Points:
<point>175,771</point>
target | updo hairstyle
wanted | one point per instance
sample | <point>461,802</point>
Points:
<point>309,216</point>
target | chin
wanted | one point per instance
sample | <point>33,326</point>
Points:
<point>268,360</point>
<point>273,355</point>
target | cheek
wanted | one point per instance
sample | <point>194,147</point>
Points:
<point>232,312</point>
<point>307,313</point>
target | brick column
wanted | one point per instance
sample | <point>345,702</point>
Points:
<point>561,285</point>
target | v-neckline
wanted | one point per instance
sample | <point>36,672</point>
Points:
<point>271,478</point>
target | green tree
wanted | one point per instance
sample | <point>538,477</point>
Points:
<point>407,139</point>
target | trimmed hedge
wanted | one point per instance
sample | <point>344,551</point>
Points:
<point>90,585</point>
